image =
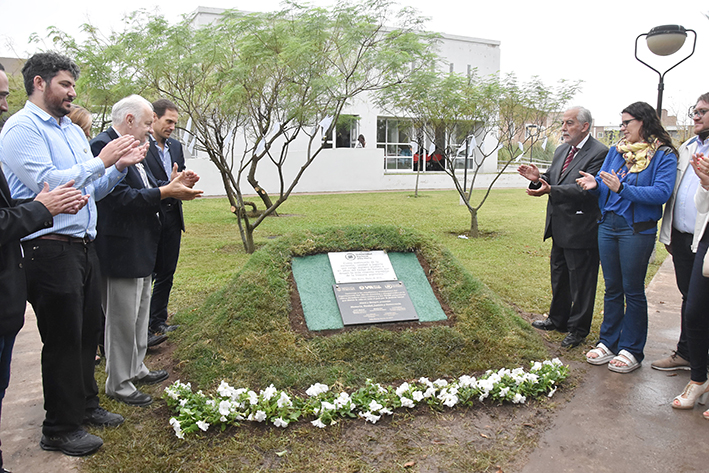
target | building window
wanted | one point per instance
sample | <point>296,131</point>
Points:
<point>345,132</point>
<point>394,137</point>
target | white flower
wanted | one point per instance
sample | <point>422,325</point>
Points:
<point>369,417</point>
<point>466,381</point>
<point>223,419</point>
<point>519,399</point>
<point>374,406</point>
<point>260,416</point>
<point>183,402</point>
<point>441,383</point>
<point>417,395</point>
<point>536,366</point>
<point>425,381</point>
<point>504,391</point>
<point>386,410</point>
<point>406,402</point>
<point>556,362</point>
<point>326,406</point>
<point>225,390</point>
<point>380,389</point>
<point>284,400</point>
<point>430,392</point>
<point>551,393</point>
<point>402,389</point>
<point>279,422</point>
<point>269,392</point>
<point>178,429</point>
<point>342,400</point>
<point>318,423</point>
<point>253,398</point>
<point>450,400</point>
<point>225,408</point>
<point>203,425</point>
<point>317,389</point>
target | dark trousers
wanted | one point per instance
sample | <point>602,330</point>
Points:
<point>683,260</point>
<point>6,344</point>
<point>63,286</point>
<point>574,275</point>
<point>696,316</point>
<point>165,265</point>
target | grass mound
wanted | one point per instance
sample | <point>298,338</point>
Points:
<point>242,332</point>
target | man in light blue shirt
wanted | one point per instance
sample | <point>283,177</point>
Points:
<point>39,144</point>
<point>680,223</point>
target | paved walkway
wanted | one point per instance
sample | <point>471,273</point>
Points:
<point>613,423</point>
<point>624,422</point>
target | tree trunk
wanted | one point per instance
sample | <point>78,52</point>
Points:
<point>474,233</point>
<point>260,190</point>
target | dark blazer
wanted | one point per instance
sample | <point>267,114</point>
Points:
<point>170,207</point>
<point>128,228</point>
<point>572,213</point>
<point>18,218</point>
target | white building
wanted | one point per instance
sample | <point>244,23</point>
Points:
<point>385,163</point>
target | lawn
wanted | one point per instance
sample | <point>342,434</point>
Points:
<point>222,294</point>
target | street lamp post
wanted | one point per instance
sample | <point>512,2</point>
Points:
<point>664,41</point>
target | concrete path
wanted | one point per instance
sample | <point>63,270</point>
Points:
<point>613,423</point>
<point>624,422</point>
<point>23,411</point>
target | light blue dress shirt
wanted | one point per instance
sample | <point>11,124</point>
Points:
<point>34,149</point>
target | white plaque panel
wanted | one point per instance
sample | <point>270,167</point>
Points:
<point>361,266</point>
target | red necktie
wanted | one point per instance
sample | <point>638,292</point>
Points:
<point>569,157</point>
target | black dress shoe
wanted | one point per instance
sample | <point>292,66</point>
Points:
<point>100,417</point>
<point>165,328</point>
<point>153,377</point>
<point>136,398</point>
<point>155,339</point>
<point>572,340</point>
<point>545,324</point>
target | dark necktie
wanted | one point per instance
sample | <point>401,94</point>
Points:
<point>569,157</point>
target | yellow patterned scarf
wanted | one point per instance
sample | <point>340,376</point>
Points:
<point>637,155</point>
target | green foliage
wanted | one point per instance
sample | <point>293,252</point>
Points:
<point>253,83</point>
<point>449,108</point>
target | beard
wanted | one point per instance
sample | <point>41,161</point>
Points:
<point>56,105</point>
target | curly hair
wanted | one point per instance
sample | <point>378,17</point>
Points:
<point>47,66</point>
<point>651,125</point>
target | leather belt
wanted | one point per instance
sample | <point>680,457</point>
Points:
<point>64,238</point>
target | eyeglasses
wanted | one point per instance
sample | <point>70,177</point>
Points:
<point>624,123</point>
<point>698,113</point>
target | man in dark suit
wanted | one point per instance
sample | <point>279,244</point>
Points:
<point>572,223</point>
<point>127,243</point>
<point>19,218</point>
<point>164,158</point>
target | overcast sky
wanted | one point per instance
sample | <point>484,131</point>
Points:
<point>551,39</point>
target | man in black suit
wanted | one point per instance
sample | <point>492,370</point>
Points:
<point>19,218</point>
<point>572,223</point>
<point>127,243</point>
<point>164,158</point>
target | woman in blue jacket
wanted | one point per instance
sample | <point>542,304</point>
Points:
<point>637,177</point>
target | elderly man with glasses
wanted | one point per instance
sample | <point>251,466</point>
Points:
<point>679,222</point>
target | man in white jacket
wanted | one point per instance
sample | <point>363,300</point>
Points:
<point>680,222</point>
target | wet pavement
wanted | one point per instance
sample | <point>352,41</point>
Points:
<point>614,422</point>
<point>624,422</point>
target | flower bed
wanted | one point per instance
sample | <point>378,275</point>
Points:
<point>230,406</point>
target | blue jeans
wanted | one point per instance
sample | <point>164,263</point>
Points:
<point>624,259</point>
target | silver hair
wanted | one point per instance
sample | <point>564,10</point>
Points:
<point>583,115</point>
<point>133,104</point>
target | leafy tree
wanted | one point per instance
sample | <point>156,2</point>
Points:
<point>449,109</point>
<point>253,85</point>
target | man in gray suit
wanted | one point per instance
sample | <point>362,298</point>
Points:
<point>572,223</point>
